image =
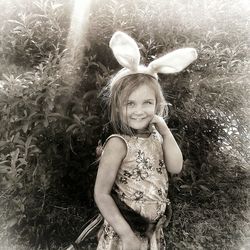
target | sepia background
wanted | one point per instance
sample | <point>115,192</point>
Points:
<point>55,60</point>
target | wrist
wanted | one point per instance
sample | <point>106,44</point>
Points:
<point>126,233</point>
<point>167,133</point>
<point>128,238</point>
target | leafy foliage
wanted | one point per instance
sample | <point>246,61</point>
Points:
<point>34,29</point>
<point>51,124</point>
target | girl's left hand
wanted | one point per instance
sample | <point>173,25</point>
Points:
<point>160,125</point>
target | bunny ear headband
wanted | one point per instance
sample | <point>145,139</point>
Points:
<point>127,53</point>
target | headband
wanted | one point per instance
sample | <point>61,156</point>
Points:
<point>126,52</point>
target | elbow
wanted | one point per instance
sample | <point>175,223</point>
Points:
<point>174,161</point>
<point>179,167</point>
<point>176,167</point>
<point>100,197</point>
<point>175,170</point>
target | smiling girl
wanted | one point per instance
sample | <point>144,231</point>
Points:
<point>132,180</point>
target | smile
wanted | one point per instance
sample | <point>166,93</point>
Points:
<point>138,119</point>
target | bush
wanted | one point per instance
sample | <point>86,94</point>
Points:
<point>52,120</point>
<point>33,30</point>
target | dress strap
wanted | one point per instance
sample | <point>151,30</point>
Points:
<point>100,147</point>
<point>116,135</point>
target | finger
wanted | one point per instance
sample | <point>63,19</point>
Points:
<point>154,119</point>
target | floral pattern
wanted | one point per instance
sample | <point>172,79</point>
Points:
<point>160,167</point>
<point>139,174</point>
<point>142,183</point>
<point>142,161</point>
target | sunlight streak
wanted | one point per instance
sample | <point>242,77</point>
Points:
<point>76,40</point>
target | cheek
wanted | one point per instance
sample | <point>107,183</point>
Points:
<point>152,110</point>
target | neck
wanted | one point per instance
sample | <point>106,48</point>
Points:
<point>142,133</point>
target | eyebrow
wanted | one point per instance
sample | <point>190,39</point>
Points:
<point>150,99</point>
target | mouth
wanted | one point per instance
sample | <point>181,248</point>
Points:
<point>138,119</point>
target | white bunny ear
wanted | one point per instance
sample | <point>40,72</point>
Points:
<point>125,50</point>
<point>173,62</point>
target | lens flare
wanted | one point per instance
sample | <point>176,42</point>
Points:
<point>77,39</point>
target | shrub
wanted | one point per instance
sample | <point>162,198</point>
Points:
<point>33,30</point>
<point>52,122</point>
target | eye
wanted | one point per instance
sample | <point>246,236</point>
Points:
<point>130,104</point>
<point>149,102</point>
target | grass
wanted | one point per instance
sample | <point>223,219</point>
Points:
<point>214,219</point>
<point>219,220</point>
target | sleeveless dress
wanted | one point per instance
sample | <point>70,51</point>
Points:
<point>142,183</point>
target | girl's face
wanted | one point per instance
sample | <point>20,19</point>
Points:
<point>139,109</point>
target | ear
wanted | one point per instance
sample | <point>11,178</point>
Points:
<point>173,62</point>
<point>125,50</point>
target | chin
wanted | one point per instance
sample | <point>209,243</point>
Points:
<point>139,127</point>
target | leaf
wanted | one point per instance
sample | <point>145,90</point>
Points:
<point>35,151</point>
<point>28,141</point>
<point>71,127</point>
<point>20,142</point>
<point>6,77</point>
<point>91,118</point>
<point>89,94</point>
<point>193,176</point>
<point>77,119</point>
<point>16,22</point>
<point>58,115</point>
<point>4,169</point>
<point>16,137</point>
<point>46,123</point>
<point>34,114</point>
<point>177,178</point>
<point>12,222</point>
<point>56,6</point>
<point>3,162</point>
<point>39,97</point>
<point>204,188</point>
<point>19,169</point>
<point>14,157</point>
<point>3,143</point>
<point>25,127</point>
<point>103,68</point>
<point>185,187</point>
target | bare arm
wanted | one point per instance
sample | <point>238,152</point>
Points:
<point>171,151</point>
<point>114,153</point>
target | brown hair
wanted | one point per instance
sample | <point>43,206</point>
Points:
<point>119,92</point>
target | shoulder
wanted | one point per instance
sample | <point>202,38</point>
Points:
<point>116,144</point>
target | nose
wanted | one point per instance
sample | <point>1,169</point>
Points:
<point>138,110</point>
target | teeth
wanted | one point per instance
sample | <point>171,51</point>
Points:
<point>138,119</point>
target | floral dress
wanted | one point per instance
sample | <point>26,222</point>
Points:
<point>142,183</point>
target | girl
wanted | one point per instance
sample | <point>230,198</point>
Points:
<point>132,181</point>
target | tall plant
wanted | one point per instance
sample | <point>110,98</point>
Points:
<point>48,136</point>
